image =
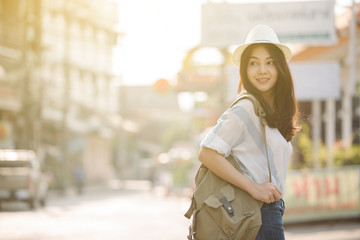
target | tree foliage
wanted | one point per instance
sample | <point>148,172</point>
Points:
<point>303,155</point>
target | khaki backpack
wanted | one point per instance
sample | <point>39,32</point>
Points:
<point>220,210</point>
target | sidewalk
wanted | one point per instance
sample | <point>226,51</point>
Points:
<point>131,205</point>
<point>138,198</point>
<point>101,188</point>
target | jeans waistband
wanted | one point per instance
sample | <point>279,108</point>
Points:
<point>280,203</point>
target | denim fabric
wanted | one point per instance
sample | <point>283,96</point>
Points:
<point>272,225</point>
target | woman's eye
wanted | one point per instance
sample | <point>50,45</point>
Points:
<point>253,63</point>
<point>270,63</point>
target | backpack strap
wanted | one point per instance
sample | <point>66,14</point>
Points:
<point>259,111</point>
<point>191,209</point>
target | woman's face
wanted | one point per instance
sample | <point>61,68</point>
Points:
<point>261,70</point>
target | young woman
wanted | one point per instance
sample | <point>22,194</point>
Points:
<point>265,74</point>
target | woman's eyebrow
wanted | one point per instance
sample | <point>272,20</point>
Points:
<point>270,57</point>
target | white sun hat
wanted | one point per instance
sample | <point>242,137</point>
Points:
<point>260,34</point>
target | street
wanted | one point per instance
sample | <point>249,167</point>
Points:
<point>128,214</point>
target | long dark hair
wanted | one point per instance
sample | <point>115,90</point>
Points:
<point>285,115</point>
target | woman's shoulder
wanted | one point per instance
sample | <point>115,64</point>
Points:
<point>243,104</point>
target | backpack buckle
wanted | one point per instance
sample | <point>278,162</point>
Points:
<point>191,235</point>
<point>262,113</point>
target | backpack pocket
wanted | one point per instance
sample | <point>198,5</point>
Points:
<point>217,210</point>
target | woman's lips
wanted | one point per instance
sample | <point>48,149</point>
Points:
<point>262,80</point>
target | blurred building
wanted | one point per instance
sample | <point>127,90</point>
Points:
<point>78,40</point>
<point>338,53</point>
<point>336,121</point>
<point>19,54</point>
<point>59,93</point>
<point>151,114</point>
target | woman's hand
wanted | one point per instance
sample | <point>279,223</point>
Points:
<point>265,192</point>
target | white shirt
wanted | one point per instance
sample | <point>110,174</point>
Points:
<point>238,132</point>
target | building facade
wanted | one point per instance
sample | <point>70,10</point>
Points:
<point>60,83</point>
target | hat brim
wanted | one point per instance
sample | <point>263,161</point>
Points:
<point>236,58</point>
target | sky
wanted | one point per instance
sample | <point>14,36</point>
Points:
<point>157,35</point>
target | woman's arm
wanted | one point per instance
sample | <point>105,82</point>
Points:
<point>215,162</point>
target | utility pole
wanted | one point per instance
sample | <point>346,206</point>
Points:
<point>37,74</point>
<point>64,125</point>
<point>316,131</point>
<point>330,130</point>
<point>31,81</point>
<point>350,83</point>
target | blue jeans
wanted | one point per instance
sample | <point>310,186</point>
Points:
<point>272,225</point>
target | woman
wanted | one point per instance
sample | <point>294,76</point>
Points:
<point>265,74</point>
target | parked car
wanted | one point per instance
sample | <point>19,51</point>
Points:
<point>21,177</point>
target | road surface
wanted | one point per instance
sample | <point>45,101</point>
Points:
<point>128,214</point>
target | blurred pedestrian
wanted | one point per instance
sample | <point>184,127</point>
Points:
<point>265,74</point>
<point>79,175</point>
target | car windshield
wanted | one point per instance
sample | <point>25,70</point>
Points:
<point>15,163</point>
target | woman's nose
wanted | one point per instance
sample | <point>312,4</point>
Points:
<point>262,68</point>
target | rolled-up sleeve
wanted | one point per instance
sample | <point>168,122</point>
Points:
<point>226,134</point>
